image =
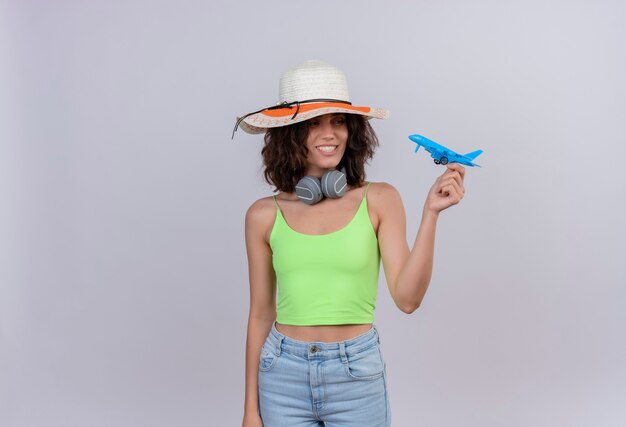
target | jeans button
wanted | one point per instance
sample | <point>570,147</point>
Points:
<point>314,349</point>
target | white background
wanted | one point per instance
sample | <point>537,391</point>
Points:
<point>123,280</point>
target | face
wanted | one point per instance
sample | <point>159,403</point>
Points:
<point>326,142</point>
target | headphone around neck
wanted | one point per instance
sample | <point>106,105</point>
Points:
<point>311,190</point>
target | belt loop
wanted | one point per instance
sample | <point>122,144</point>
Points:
<point>342,352</point>
<point>377,334</point>
<point>279,344</point>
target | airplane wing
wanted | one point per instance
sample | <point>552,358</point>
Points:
<point>436,154</point>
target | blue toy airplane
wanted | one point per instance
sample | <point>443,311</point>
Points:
<point>443,155</point>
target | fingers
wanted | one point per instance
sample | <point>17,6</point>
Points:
<point>457,167</point>
<point>452,191</point>
<point>454,195</point>
<point>448,188</point>
<point>455,174</point>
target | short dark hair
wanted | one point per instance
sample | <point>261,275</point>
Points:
<point>285,152</point>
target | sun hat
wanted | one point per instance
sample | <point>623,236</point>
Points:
<point>307,90</point>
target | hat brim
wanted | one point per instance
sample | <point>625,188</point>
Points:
<point>261,122</point>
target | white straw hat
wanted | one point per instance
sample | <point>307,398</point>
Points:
<point>308,90</point>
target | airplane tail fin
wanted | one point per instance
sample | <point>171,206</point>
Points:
<point>473,154</point>
<point>418,146</point>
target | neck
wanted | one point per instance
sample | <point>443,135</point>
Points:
<point>316,172</point>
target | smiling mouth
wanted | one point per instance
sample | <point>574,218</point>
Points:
<point>327,148</point>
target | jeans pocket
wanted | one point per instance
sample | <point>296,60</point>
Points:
<point>366,365</point>
<point>267,359</point>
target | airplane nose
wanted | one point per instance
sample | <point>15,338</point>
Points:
<point>416,138</point>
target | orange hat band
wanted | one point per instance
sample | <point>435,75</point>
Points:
<point>304,108</point>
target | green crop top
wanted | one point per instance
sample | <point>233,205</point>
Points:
<point>328,279</point>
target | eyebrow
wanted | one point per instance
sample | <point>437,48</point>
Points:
<point>331,115</point>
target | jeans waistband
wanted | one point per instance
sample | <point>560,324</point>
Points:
<point>325,350</point>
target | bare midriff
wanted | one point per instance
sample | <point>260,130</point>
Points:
<point>323,333</point>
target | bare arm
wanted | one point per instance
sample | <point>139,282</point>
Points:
<point>262,312</point>
<point>408,272</point>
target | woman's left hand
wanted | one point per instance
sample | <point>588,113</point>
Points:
<point>447,190</point>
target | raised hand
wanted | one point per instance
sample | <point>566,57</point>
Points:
<point>447,190</point>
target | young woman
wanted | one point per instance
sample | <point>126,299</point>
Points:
<point>313,357</point>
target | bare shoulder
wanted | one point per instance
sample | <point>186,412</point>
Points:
<point>260,216</point>
<point>382,196</point>
<point>385,203</point>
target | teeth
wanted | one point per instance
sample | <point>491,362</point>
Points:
<point>327,148</point>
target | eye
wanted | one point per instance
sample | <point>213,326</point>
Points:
<point>339,120</point>
<point>313,123</point>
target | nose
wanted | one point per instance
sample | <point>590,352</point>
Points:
<point>327,131</point>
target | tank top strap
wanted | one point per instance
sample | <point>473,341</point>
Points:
<point>279,213</point>
<point>367,187</point>
<point>363,205</point>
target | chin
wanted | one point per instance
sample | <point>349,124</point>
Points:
<point>329,165</point>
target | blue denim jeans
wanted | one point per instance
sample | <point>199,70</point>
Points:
<point>338,384</point>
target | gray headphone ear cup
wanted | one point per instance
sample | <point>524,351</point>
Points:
<point>309,190</point>
<point>334,184</point>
